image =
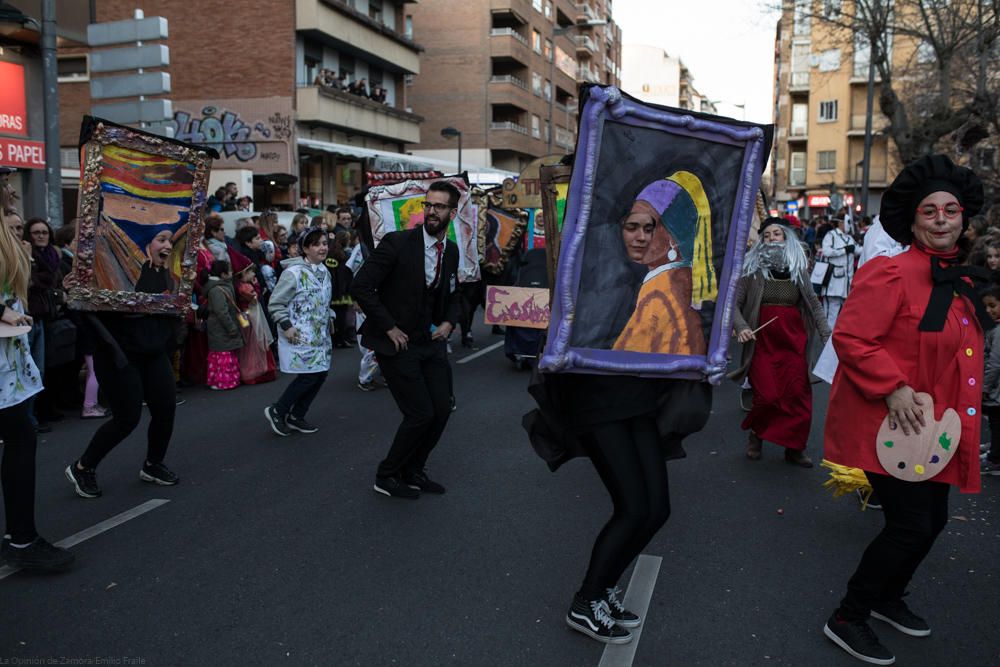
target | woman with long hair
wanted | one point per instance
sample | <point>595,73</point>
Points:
<point>22,546</point>
<point>781,325</point>
<point>268,226</point>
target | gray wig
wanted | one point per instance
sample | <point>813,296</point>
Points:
<point>795,257</point>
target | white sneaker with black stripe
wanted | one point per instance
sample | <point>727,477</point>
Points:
<point>593,618</point>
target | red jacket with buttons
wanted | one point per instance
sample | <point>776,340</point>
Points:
<point>881,349</point>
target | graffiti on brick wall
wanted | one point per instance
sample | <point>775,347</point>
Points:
<point>233,136</point>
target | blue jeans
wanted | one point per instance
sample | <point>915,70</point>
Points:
<point>299,394</point>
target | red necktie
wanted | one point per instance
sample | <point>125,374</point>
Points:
<point>439,246</point>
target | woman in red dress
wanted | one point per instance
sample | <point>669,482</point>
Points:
<point>910,344</point>
<point>774,298</point>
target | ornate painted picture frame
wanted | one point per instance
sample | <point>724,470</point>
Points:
<point>142,202</point>
<point>500,232</point>
<point>657,217</point>
<point>400,206</point>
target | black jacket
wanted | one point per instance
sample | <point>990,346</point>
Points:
<point>390,289</point>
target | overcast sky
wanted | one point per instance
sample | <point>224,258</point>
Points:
<point>727,44</point>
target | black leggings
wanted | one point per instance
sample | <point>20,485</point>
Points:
<point>17,472</point>
<point>915,513</point>
<point>628,458</point>
<point>993,413</point>
<point>145,377</point>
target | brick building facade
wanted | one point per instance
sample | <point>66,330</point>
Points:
<point>505,73</point>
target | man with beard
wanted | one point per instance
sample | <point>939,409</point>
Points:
<point>408,291</point>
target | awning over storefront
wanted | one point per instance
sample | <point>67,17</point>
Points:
<point>388,161</point>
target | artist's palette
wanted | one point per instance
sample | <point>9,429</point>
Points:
<point>916,458</point>
<point>10,331</point>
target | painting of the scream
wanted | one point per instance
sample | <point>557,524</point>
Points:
<point>142,198</point>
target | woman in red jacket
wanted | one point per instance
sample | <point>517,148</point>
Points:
<point>910,344</point>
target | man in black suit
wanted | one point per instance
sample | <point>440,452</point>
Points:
<point>408,290</point>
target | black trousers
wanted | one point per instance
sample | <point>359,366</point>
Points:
<point>629,460</point>
<point>17,472</point>
<point>915,513</point>
<point>473,295</point>
<point>993,414</point>
<point>419,379</point>
<point>144,377</point>
<point>299,394</point>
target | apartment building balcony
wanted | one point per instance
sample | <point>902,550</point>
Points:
<point>799,82</point>
<point>509,89</point>
<point>585,13</point>
<point>564,138</point>
<point>508,126</point>
<point>585,45</point>
<point>878,176</point>
<point>569,109</point>
<point>324,21</point>
<point>587,75</point>
<point>798,133</point>
<point>519,8</point>
<point>511,136</point>
<point>509,43</point>
<point>879,124</point>
<point>335,108</point>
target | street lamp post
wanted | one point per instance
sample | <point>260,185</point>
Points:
<point>449,133</point>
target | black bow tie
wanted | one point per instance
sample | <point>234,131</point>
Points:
<point>949,280</point>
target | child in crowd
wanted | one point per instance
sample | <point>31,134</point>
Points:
<point>255,358</point>
<point>267,272</point>
<point>300,305</point>
<point>991,383</point>
<point>369,374</point>
<point>224,328</point>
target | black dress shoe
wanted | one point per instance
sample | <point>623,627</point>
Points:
<point>395,488</point>
<point>420,481</point>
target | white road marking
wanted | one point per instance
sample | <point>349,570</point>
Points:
<point>476,355</point>
<point>640,591</point>
<point>97,529</point>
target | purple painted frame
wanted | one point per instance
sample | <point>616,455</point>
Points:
<point>558,356</point>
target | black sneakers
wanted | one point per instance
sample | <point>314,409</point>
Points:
<point>276,421</point>
<point>300,425</point>
<point>619,613</point>
<point>859,640</point>
<point>394,487</point>
<point>83,481</point>
<point>593,618</point>
<point>39,556</point>
<point>899,616</point>
<point>420,481</point>
<point>157,473</point>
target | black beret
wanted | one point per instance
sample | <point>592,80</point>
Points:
<point>931,173</point>
<point>767,222</point>
<point>309,236</point>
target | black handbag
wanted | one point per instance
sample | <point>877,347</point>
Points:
<point>60,342</point>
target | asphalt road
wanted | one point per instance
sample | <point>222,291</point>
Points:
<point>277,551</point>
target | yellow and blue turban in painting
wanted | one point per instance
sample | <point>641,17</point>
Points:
<point>666,318</point>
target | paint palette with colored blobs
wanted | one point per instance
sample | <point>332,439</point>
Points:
<point>916,458</point>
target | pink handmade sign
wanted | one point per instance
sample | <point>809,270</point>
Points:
<point>517,306</point>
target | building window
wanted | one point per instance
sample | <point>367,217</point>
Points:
<point>548,9</point>
<point>536,126</point>
<point>800,64</point>
<point>797,174</point>
<point>408,26</point>
<point>548,50</point>
<point>536,83</point>
<point>537,4</point>
<point>547,91</point>
<point>313,67</point>
<point>828,111</point>
<point>536,41</point>
<point>800,120</point>
<point>375,10</point>
<point>831,8</point>
<point>801,19</point>
<point>73,68</point>
<point>548,131</point>
<point>827,161</point>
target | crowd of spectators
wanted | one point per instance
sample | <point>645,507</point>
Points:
<point>327,78</point>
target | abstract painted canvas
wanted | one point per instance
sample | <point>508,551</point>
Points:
<point>142,198</point>
<point>657,217</point>
<point>400,206</point>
